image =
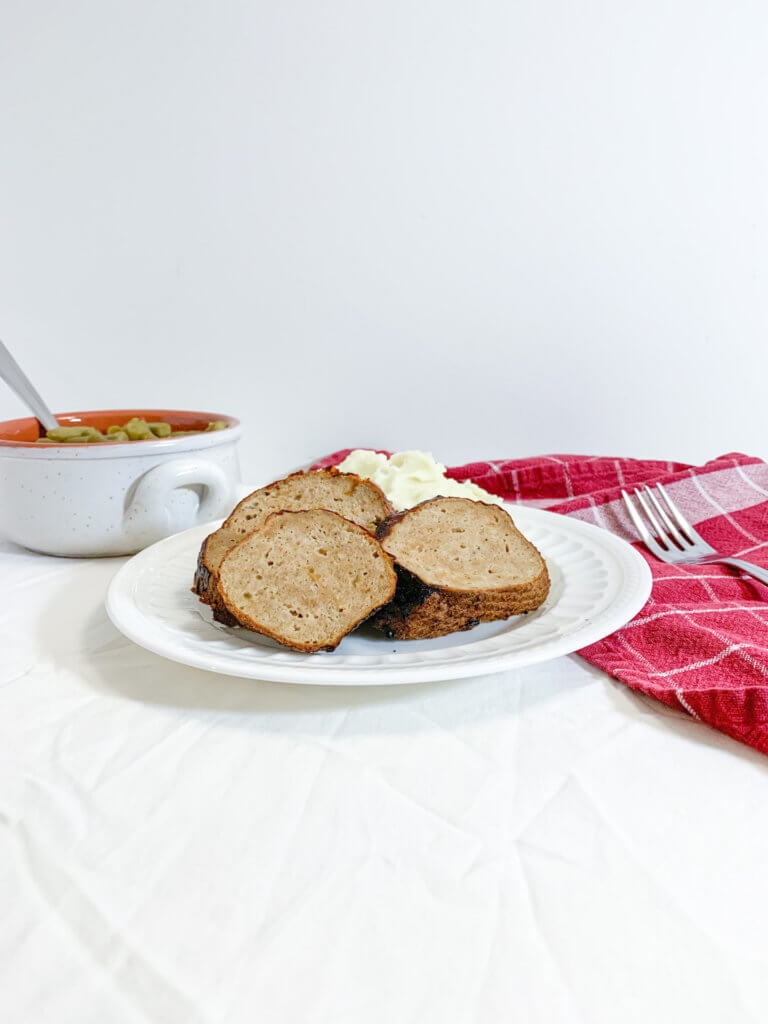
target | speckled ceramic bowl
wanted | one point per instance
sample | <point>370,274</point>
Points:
<point>114,498</point>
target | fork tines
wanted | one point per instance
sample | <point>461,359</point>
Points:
<point>672,539</point>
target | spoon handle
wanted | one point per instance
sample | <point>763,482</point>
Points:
<point>17,381</point>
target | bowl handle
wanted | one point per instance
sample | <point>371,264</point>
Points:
<point>148,516</point>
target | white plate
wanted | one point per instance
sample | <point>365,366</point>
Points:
<point>598,583</point>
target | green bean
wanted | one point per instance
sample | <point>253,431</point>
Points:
<point>68,433</point>
<point>136,429</point>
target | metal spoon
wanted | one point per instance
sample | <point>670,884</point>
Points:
<point>17,381</point>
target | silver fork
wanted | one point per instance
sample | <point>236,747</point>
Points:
<point>674,539</point>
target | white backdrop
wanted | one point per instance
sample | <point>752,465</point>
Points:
<point>486,229</point>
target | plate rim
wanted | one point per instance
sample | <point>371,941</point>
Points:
<point>389,675</point>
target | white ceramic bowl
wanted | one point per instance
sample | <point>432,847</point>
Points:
<point>114,498</point>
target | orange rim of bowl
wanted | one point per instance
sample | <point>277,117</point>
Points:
<point>18,433</point>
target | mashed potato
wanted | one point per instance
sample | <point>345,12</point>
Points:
<point>410,477</point>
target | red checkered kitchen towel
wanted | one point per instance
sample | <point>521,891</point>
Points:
<point>700,644</point>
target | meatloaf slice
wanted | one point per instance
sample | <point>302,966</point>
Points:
<point>306,579</point>
<point>346,493</point>
<point>459,562</point>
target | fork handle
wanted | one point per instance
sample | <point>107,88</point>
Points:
<point>747,567</point>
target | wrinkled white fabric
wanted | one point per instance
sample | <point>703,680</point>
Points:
<point>183,848</point>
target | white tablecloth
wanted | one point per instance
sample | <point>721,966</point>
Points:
<point>535,846</point>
